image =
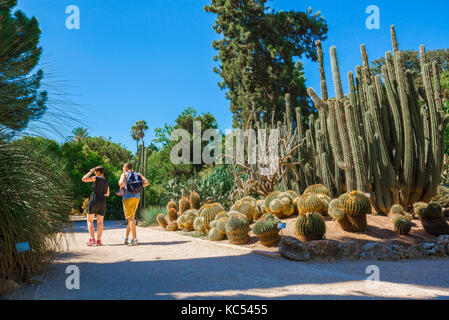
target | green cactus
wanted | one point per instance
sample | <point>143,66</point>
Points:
<point>215,235</point>
<point>398,158</point>
<point>246,207</point>
<point>237,228</point>
<point>396,209</point>
<point>221,224</point>
<point>208,212</point>
<point>310,226</point>
<point>402,226</point>
<point>311,203</point>
<point>267,231</point>
<point>199,226</point>
<point>355,206</point>
<point>335,210</point>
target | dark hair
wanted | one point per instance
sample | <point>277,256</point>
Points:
<point>128,165</point>
<point>99,169</point>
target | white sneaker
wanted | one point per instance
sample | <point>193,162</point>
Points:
<point>133,242</point>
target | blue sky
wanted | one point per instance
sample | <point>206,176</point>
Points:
<point>150,59</point>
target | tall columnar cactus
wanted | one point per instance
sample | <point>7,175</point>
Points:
<point>386,136</point>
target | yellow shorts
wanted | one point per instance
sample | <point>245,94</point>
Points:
<point>130,206</point>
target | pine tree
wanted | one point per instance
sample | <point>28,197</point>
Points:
<point>259,54</point>
<point>21,99</point>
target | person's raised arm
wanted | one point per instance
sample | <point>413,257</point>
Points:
<point>87,177</point>
<point>144,180</point>
<point>122,180</point>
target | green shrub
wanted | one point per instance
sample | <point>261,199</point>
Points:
<point>147,216</point>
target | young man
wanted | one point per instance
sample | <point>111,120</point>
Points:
<point>130,201</point>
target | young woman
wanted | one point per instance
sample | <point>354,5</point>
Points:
<point>97,203</point>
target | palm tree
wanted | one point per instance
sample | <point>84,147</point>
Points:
<point>138,132</point>
<point>135,137</point>
<point>139,129</point>
<point>79,134</point>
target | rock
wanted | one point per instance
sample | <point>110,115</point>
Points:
<point>377,251</point>
<point>323,250</point>
<point>435,250</point>
<point>399,252</point>
<point>293,249</point>
<point>444,241</point>
<point>8,286</point>
<point>349,250</point>
<point>416,251</point>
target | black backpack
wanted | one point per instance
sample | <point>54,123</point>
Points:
<point>134,183</point>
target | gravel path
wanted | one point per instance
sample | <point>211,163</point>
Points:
<point>171,266</point>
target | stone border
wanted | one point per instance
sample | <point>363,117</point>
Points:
<point>332,250</point>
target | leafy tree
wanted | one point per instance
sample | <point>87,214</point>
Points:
<point>184,121</point>
<point>21,99</point>
<point>83,155</point>
<point>259,54</point>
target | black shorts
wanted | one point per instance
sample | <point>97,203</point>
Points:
<point>96,207</point>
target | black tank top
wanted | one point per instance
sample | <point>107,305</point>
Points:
<point>99,188</point>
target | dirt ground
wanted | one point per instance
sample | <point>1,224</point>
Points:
<point>168,265</point>
<point>380,229</point>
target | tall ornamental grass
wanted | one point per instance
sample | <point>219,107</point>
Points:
<point>35,204</point>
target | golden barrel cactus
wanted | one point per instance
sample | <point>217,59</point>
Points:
<point>237,228</point>
<point>161,221</point>
<point>195,200</point>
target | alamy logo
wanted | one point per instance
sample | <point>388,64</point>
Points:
<point>373,279</point>
<point>73,280</point>
<point>373,20</point>
<point>73,20</point>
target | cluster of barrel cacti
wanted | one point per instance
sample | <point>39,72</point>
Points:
<point>180,215</point>
<point>312,205</point>
<point>432,218</point>
<point>350,210</point>
<point>401,220</point>
<point>281,204</point>
<point>384,138</point>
